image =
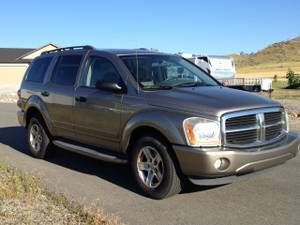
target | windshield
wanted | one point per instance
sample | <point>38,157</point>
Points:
<point>165,72</point>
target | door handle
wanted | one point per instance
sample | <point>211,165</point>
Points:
<point>45,93</point>
<point>80,99</point>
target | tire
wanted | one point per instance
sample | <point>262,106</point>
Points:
<point>155,175</point>
<point>38,139</point>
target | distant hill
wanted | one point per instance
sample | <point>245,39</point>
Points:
<point>274,59</point>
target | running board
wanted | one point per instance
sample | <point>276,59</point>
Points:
<point>89,152</point>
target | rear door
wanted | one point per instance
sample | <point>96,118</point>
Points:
<point>59,93</point>
<point>97,113</point>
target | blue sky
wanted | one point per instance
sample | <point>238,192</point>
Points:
<point>207,27</point>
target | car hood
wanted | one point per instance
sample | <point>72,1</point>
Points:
<point>213,101</point>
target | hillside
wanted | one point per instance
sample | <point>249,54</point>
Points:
<point>274,59</point>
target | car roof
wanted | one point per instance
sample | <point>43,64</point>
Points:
<point>118,52</point>
<point>129,52</point>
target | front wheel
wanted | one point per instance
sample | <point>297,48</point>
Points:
<point>154,169</point>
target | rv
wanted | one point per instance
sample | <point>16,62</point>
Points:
<point>220,67</point>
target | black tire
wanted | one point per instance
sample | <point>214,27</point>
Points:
<point>45,142</point>
<point>170,183</point>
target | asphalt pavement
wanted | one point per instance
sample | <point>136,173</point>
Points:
<point>272,197</point>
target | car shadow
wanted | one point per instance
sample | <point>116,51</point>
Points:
<point>118,174</point>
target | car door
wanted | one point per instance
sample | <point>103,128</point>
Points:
<point>58,94</point>
<point>97,113</point>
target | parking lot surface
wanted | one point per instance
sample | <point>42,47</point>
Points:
<point>272,197</point>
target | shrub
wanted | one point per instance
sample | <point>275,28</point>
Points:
<point>293,79</point>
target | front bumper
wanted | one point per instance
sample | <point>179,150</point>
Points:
<point>198,163</point>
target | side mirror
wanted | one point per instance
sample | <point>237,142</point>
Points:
<point>110,86</point>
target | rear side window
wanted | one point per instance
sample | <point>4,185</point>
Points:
<point>66,70</point>
<point>38,70</point>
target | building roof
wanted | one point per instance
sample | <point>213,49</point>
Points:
<point>20,55</point>
<point>11,55</point>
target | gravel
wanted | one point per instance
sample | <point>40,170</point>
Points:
<point>8,97</point>
<point>292,106</point>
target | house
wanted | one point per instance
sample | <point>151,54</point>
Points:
<point>15,61</point>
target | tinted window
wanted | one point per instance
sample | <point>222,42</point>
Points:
<point>38,70</point>
<point>101,70</point>
<point>66,70</point>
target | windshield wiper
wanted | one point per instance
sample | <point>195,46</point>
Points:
<point>193,84</point>
<point>189,84</point>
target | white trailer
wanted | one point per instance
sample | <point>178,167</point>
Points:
<point>222,68</point>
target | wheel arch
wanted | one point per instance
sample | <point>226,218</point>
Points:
<point>151,123</point>
<point>35,106</point>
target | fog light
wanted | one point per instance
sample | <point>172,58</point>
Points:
<point>218,164</point>
<point>221,164</point>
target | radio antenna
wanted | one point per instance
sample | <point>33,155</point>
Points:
<point>137,72</point>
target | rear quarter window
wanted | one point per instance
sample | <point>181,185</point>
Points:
<point>66,70</point>
<point>38,70</point>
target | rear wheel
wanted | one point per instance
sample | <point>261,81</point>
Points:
<point>154,169</point>
<point>38,139</point>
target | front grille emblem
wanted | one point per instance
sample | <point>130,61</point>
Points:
<point>261,132</point>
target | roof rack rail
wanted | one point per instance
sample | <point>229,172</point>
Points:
<point>83,47</point>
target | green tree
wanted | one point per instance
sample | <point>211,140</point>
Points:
<point>293,79</point>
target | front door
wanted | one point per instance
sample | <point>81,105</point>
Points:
<point>97,113</point>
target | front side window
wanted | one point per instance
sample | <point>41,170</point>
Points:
<point>38,70</point>
<point>66,70</point>
<point>166,71</point>
<point>100,70</point>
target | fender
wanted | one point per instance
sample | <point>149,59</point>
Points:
<point>37,103</point>
<point>157,120</point>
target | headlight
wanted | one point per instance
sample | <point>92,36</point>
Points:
<point>201,132</point>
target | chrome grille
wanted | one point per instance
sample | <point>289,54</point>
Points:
<point>273,131</point>
<point>241,137</point>
<point>241,121</point>
<point>273,117</point>
<point>253,127</point>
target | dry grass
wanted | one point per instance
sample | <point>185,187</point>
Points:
<point>281,93</point>
<point>24,201</point>
<point>268,70</point>
<point>274,59</point>
<point>290,98</point>
<point>293,94</point>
